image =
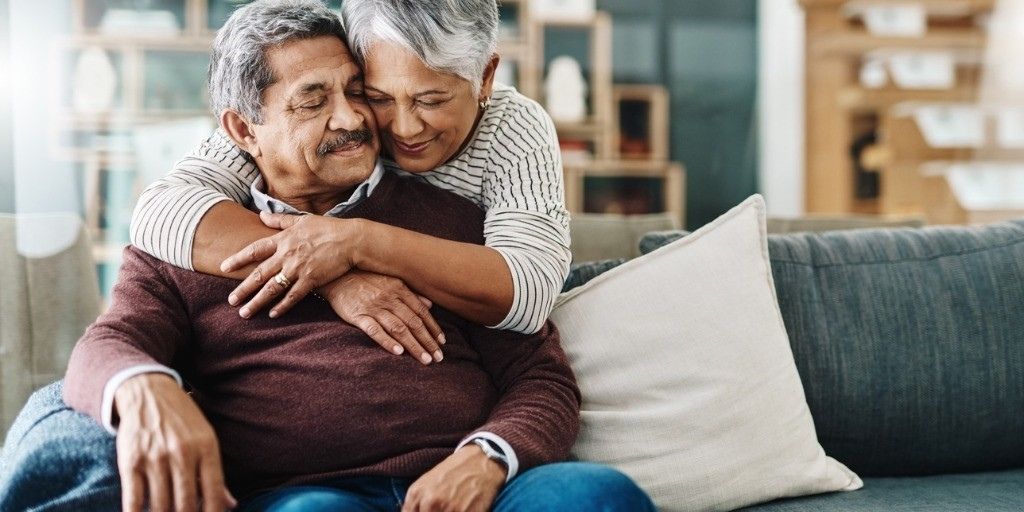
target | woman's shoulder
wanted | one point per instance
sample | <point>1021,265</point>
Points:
<point>520,115</point>
<point>513,103</point>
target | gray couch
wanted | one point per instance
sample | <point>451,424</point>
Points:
<point>48,296</point>
<point>910,346</point>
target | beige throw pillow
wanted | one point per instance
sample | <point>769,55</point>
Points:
<point>687,376</point>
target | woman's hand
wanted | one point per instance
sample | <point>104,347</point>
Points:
<point>310,251</point>
<point>387,311</point>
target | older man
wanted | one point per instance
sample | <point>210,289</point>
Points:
<point>305,412</point>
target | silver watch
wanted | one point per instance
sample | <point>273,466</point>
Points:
<point>492,451</point>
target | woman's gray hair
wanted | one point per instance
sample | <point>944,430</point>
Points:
<point>239,72</point>
<point>449,36</point>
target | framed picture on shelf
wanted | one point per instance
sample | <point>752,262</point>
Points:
<point>626,187</point>
<point>640,117</point>
<point>623,195</point>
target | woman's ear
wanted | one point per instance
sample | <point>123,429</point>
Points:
<point>487,84</point>
<point>240,131</point>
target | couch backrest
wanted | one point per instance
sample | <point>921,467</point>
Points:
<point>49,294</point>
<point>600,236</point>
<point>909,342</point>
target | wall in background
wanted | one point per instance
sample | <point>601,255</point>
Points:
<point>705,53</point>
<point>6,144</point>
<point>780,92</point>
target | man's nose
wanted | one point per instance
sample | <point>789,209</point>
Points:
<point>406,124</point>
<point>345,118</point>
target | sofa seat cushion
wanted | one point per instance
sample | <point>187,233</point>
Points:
<point>981,492</point>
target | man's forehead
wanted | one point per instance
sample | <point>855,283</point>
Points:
<point>308,64</point>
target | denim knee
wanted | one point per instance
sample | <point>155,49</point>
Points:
<point>574,486</point>
<point>58,459</point>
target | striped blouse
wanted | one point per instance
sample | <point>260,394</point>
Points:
<point>512,168</point>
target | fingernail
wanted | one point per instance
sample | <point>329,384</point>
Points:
<point>426,358</point>
<point>273,314</point>
<point>441,339</point>
<point>398,350</point>
<point>232,299</point>
<point>244,312</point>
<point>438,356</point>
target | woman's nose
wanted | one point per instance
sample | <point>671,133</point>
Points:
<point>406,124</point>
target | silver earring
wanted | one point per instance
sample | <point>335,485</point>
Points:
<point>484,103</point>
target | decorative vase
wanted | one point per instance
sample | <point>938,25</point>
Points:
<point>566,90</point>
<point>94,82</point>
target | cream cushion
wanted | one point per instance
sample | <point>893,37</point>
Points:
<point>688,380</point>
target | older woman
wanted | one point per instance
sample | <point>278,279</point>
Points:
<point>429,68</point>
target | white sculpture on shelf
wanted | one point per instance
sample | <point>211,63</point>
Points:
<point>873,74</point>
<point>95,82</point>
<point>565,90</point>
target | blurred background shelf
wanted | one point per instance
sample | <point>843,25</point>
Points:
<point>865,150</point>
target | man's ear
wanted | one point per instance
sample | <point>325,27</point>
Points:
<point>240,131</point>
<point>487,84</point>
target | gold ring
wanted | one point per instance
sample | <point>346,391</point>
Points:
<point>282,280</point>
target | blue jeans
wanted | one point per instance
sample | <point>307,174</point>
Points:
<point>560,486</point>
<point>56,459</point>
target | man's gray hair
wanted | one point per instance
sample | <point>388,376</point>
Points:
<point>449,36</point>
<point>239,72</point>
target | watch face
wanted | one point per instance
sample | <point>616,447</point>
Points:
<point>492,451</point>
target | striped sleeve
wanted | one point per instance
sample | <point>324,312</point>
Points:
<point>527,221</point>
<point>169,210</point>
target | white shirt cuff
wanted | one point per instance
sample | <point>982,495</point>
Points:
<point>506,449</point>
<point>107,405</point>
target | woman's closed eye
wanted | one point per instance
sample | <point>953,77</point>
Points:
<point>431,103</point>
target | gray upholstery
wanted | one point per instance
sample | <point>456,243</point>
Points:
<point>49,294</point>
<point>909,342</point>
<point>822,223</point>
<point>989,492</point>
<point>598,236</point>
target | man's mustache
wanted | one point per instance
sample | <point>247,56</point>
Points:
<point>361,136</point>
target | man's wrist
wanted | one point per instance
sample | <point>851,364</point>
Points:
<point>136,388</point>
<point>494,468</point>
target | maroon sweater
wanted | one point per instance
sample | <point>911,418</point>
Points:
<point>308,396</point>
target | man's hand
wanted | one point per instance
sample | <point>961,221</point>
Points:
<point>466,481</point>
<point>311,251</point>
<point>387,311</point>
<point>166,450</point>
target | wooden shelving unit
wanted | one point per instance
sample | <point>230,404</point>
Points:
<point>99,144</point>
<point>602,131</point>
<point>840,110</point>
